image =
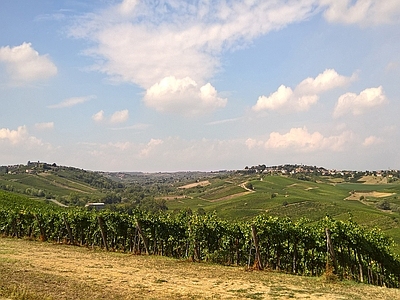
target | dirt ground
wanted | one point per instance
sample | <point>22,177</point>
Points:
<point>374,179</point>
<point>48,271</point>
<point>192,185</point>
<point>357,195</point>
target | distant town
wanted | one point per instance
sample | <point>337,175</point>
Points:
<point>289,169</point>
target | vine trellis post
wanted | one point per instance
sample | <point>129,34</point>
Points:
<point>257,262</point>
<point>330,251</point>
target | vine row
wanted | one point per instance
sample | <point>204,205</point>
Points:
<point>266,242</point>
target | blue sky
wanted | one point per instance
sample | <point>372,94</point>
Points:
<point>200,85</point>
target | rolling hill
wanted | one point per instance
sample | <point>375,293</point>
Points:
<point>369,198</point>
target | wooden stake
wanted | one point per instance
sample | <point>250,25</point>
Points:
<point>257,262</point>
<point>103,231</point>
<point>329,249</point>
<point>146,247</point>
<point>71,237</point>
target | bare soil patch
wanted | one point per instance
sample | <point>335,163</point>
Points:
<point>374,194</point>
<point>192,185</point>
<point>49,271</point>
<point>371,179</point>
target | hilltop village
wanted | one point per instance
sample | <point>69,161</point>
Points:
<point>289,169</point>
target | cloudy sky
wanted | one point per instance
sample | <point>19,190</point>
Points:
<point>174,85</point>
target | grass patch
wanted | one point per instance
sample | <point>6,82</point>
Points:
<point>48,271</point>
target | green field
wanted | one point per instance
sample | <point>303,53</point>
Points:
<point>284,196</point>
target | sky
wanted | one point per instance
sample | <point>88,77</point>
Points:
<point>174,85</point>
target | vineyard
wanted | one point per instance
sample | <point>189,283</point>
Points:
<point>266,242</point>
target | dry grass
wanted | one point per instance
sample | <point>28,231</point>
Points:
<point>34,270</point>
<point>370,179</point>
<point>374,194</point>
<point>192,185</point>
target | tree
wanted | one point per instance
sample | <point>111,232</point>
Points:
<point>384,205</point>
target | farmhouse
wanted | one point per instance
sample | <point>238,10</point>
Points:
<point>96,205</point>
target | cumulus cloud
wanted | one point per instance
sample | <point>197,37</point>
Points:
<point>183,96</point>
<point>253,143</point>
<point>24,64</point>
<point>150,146</point>
<point>72,101</point>
<point>44,126</point>
<point>18,136</point>
<point>371,140</point>
<point>127,6</point>
<point>145,43</point>
<point>299,139</point>
<point>191,35</point>
<point>99,116</point>
<point>305,94</point>
<point>364,12</point>
<point>119,116</point>
<point>351,103</point>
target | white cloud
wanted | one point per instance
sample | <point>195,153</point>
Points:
<point>253,143</point>
<point>299,139</point>
<point>145,43</point>
<point>139,126</point>
<point>127,6</point>
<point>122,146</point>
<point>190,35</point>
<point>119,116</point>
<point>44,126</point>
<point>17,137</point>
<point>232,120</point>
<point>24,64</point>
<point>276,100</point>
<point>371,140</point>
<point>18,145</point>
<point>364,12</point>
<point>327,80</point>
<point>305,94</point>
<point>72,101</point>
<point>183,96</point>
<point>150,146</point>
<point>351,103</point>
<point>99,116</point>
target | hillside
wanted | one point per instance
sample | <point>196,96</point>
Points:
<point>372,205</point>
<point>71,186</point>
<point>33,271</point>
<point>66,184</point>
<point>370,198</point>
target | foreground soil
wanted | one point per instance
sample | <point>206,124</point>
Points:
<point>36,270</point>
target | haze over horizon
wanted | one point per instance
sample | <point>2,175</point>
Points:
<point>200,85</point>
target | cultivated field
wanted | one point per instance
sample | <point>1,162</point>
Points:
<point>35,270</point>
